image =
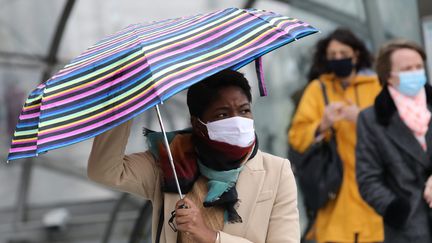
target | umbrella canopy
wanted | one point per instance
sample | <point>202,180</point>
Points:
<point>141,66</point>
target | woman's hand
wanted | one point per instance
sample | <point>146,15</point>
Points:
<point>337,111</point>
<point>332,114</point>
<point>427,194</point>
<point>350,112</point>
<point>190,221</point>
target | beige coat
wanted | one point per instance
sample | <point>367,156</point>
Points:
<point>266,189</point>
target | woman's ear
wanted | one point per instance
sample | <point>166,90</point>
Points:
<point>194,121</point>
<point>355,57</point>
<point>197,126</point>
<point>393,79</point>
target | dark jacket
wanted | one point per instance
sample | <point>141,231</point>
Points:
<point>392,169</point>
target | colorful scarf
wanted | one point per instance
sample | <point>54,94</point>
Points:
<point>222,190</point>
<point>414,113</point>
<point>196,155</point>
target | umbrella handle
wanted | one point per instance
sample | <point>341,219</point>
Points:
<point>169,151</point>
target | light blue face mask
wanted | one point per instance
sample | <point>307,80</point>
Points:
<point>411,82</point>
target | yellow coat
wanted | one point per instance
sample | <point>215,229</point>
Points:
<point>341,219</point>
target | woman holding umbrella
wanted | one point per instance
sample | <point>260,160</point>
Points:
<point>233,191</point>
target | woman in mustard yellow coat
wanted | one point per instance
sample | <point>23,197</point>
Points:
<point>341,63</point>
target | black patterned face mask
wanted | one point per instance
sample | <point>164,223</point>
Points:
<point>341,67</point>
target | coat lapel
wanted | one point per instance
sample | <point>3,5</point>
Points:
<point>248,187</point>
<point>387,115</point>
<point>429,141</point>
<point>400,134</point>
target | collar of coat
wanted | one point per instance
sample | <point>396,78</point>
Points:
<point>385,107</point>
<point>359,79</point>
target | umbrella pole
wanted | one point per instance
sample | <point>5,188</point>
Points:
<point>169,151</point>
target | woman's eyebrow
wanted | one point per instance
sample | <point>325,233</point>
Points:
<point>221,108</point>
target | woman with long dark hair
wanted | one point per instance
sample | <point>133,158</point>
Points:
<point>320,64</point>
<point>342,65</point>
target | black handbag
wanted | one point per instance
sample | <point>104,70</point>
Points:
<point>319,171</point>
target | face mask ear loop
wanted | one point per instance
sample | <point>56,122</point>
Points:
<point>205,125</point>
<point>201,121</point>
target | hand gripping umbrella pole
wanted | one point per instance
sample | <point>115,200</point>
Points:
<point>169,151</point>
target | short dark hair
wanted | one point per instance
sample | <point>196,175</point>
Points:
<point>203,93</point>
<point>383,63</point>
<point>347,37</point>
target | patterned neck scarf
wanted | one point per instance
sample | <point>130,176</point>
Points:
<point>193,156</point>
<point>414,113</point>
<point>221,190</point>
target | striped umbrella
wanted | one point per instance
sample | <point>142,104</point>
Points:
<point>141,66</point>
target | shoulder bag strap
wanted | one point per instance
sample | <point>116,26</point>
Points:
<point>324,91</point>
<point>326,101</point>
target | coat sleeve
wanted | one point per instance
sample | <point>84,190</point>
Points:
<point>307,118</point>
<point>284,219</point>
<point>369,166</point>
<point>108,165</point>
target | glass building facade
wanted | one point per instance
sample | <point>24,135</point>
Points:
<point>27,29</point>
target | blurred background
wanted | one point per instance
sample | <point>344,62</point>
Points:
<point>49,198</point>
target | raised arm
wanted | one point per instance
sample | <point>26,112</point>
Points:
<point>108,165</point>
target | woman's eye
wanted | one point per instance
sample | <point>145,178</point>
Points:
<point>221,115</point>
<point>245,111</point>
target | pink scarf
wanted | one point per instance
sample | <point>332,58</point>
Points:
<point>414,113</point>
